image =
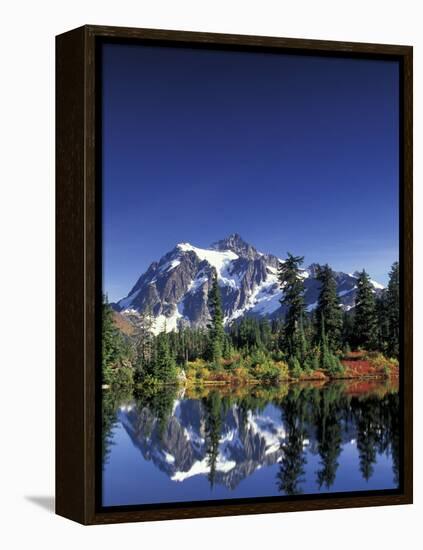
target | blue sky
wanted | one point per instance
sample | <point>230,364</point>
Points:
<point>295,153</point>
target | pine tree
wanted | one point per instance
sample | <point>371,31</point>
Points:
<point>164,365</point>
<point>328,307</point>
<point>365,319</point>
<point>393,299</point>
<point>216,330</point>
<point>347,330</point>
<point>302,344</point>
<point>183,344</point>
<point>325,361</point>
<point>144,342</point>
<point>111,344</point>
<point>292,286</point>
<point>328,361</point>
<point>382,313</point>
<point>265,334</point>
<point>226,347</point>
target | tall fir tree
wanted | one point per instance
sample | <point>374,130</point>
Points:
<point>265,334</point>
<point>328,360</point>
<point>111,343</point>
<point>164,364</point>
<point>382,321</point>
<point>393,299</point>
<point>328,307</point>
<point>323,346</point>
<point>216,330</point>
<point>292,285</point>
<point>347,330</point>
<point>365,318</point>
<point>302,343</point>
<point>144,343</point>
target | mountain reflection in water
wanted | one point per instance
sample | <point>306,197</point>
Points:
<point>170,445</point>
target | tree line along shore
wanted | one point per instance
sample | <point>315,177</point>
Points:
<point>326,343</point>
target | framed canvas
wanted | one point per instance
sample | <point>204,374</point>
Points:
<point>234,275</point>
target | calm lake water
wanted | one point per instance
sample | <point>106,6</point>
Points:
<point>178,445</point>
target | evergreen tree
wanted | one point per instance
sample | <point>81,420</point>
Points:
<point>382,321</point>
<point>164,364</point>
<point>111,344</point>
<point>302,344</point>
<point>323,346</point>
<point>277,334</point>
<point>310,330</point>
<point>226,347</point>
<point>216,330</point>
<point>292,286</point>
<point>365,318</point>
<point>185,342</point>
<point>265,334</point>
<point>347,330</point>
<point>328,361</point>
<point>328,307</point>
<point>393,300</point>
<point>144,343</point>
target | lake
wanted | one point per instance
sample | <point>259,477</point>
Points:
<point>179,445</point>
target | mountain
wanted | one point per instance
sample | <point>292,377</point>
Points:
<point>175,289</point>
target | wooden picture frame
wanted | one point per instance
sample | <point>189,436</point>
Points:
<point>78,275</point>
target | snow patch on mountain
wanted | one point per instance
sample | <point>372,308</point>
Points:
<point>164,323</point>
<point>268,302</point>
<point>345,292</point>
<point>168,266</point>
<point>267,299</point>
<point>219,260</point>
<point>125,302</point>
<point>197,283</point>
<point>264,298</point>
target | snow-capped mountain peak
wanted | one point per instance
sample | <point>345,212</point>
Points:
<point>236,244</point>
<point>175,289</point>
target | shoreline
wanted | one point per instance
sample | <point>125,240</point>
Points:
<point>261,383</point>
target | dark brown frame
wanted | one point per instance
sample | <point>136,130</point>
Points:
<point>77,272</point>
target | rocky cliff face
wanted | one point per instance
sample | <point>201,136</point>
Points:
<point>175,289</point>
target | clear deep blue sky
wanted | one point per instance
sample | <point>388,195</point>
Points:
<point>295,153</point>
